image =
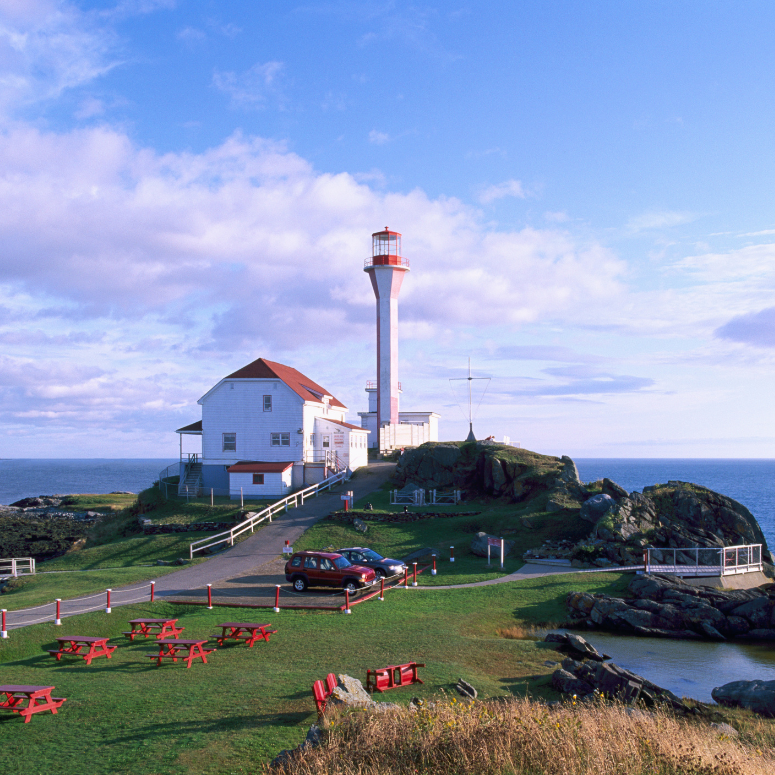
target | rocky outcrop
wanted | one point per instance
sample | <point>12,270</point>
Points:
<point>674,515</point>
<point>758,696</point>
<point>493,469</point>
<point>667,607</point>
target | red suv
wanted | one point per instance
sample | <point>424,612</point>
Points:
<point>326,569</point>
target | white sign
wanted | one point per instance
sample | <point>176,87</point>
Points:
<point>287,550</point>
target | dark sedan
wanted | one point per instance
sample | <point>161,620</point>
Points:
<point>383,566</point>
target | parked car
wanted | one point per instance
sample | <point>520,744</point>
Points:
<point>383,566</point>
<point>326,569</point>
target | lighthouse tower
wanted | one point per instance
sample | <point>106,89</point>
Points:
<point>386,269</point>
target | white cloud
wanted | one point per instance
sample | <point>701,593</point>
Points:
<point>251,88</point>
<point>658,219</point>
<point>501,190</point>
<point>378,138</point>
<point>46,47</point>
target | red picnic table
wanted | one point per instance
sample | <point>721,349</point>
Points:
<point>38,699</point>
<point>187,650</point>
<point>74,645</point>
<point>146,627</point>
<point>238,631</point>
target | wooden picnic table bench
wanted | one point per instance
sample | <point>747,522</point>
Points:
<point>38,699</point>
<point>74,644</point>
<point>250,633</point>
<point>166,628</point>
<point>393,676</point>
<point>187,650</point>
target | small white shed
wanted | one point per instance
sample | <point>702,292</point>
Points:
<point>253,479</point>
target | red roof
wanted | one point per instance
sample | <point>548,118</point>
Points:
<point>295,380</point>
<point>257,467</point>
<point>345,424</point>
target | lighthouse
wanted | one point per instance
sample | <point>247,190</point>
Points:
<point>386,269</point>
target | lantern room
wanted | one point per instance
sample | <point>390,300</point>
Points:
<point>386,250</point>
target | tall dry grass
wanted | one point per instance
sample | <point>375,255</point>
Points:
<point>517,737</point>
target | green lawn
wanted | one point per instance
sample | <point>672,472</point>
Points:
<point>124,715</point>
<point>527,528</point>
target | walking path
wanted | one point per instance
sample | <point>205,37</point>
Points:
<point>246,560</point>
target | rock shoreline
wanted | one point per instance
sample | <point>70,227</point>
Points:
<point>667,607</point>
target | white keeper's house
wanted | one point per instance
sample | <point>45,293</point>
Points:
<point>268,430</point>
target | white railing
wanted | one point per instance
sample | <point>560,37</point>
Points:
<point>730,560</point>
<point>414,498</point>
<point>295,500</point>
<point>16,566</point>
<point>445,496</point>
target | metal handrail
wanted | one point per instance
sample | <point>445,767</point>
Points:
<point>297,499</point>
<point>386,260</point>
<point>729,561</point>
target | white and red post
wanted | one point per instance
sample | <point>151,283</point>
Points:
<point>433,571</point>
<point>414,574</point>
<point>57,618</point>
<point>153,590</point>
<point>347,601</point>
<point>277,598</point>
<point>452,554</point>
<point>3,632</point>
<point>107,602</point>
<point>210,597</point>
<point>381,589</point>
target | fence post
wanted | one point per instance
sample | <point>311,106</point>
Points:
<point>107,606</point>
<point>153,590</point>
<point>503,544</point>
<point>277,599</point>
<point>452,554</point>
<point>13,569</point>
<point>211,496</point>
<point>3,632</point>
<point>488,553</point>
<point>381,589</point>
<point>347,601</point>
<point>406,577</point>
<point>433,572</point>
<point>414,577</point>
<point>210,597</point>
<point>57,620</point>
<point>241,499</point>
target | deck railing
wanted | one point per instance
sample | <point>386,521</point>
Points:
<point>702,561</point>
<point>294,500</point>
<point>16,566</point>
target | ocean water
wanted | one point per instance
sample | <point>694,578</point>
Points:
<point>24,478</point>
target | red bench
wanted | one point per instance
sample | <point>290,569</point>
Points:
<point>393,677</point>
<point>321,692</point>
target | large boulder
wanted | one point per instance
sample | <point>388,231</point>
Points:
<point>595,507</point>
<point>349,691</point>
<point>758,696</point>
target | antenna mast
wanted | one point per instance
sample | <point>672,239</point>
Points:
<point>470,379</point>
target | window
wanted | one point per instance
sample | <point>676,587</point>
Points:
<point>267,403</point>
<point>296,562</point>
<point>311,562</point>
<point>280,439</point>
<point>229,442</point>
<point>312,439</point>
<point>258,478</point>
<point>326,441</point>
<point>326,564</point>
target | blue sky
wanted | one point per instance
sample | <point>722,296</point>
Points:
<point>584,189</point>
